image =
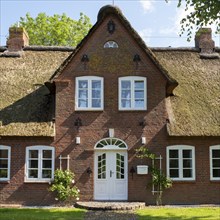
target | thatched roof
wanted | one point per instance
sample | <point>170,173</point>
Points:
<point>26,106</point>
<point>194,110</point>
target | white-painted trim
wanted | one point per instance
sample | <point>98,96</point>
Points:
<point>89,80</point>
<point>180,149</point>
<point>108,146</point>
<point>132,79</point>
<point>214,147</point>
<point>110,44</point>
<point>3,147</point>
<point>40,148</point>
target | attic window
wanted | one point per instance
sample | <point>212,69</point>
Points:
<point>110,44</point>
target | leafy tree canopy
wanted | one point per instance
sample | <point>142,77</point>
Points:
<point>206,12</point>
<point>56,30</point>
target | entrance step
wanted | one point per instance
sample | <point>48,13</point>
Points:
<point>92,205</point>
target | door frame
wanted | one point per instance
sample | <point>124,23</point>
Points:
<point>113,145</point>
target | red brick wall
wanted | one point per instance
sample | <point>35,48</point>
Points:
<point>111,64</point>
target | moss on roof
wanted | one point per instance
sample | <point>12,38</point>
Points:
<point>26,106</point>
<point>196,101</point>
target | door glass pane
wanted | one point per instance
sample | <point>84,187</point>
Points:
<point>102,166</point>
<point>120,172</point>
<point>3,153</point>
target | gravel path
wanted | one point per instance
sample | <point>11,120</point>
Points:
<point>110,215</point>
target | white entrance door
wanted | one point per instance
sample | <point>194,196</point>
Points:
<point>110,175</point>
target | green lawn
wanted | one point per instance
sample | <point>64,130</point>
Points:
<point>41,214</point>
<point>177,213</point>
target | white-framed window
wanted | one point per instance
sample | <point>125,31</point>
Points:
<point>89,93</point>
<point>132,93</point>
<point>214,153</point>
<point>5,162</point>
<point>110,44</point>
<point>181,162</point>
<point>39,165</point>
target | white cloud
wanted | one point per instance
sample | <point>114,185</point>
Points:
<point>148,6</point>
<point>146,35</point>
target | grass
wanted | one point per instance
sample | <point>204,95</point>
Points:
<point>41,214</point>
<point>200,213</point>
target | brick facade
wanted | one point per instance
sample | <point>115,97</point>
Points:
<point>129,126</point>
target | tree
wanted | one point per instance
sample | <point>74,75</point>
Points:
<point>206,12</point>
<point>56,30</point>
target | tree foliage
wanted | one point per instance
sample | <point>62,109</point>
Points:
<point>56,30</point>
<point>206,12</point>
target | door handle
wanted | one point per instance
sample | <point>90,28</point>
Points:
<point>111,172</point>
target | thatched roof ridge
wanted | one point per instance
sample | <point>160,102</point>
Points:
<point>103,13</point>
<point>195,104</point>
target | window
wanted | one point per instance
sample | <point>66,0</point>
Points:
<point>39,164</point>
<point>110,44</point>
<point>5,157</point>
<point>89,93</point>
<point>214,152</point>
<point>132,93</point>
<point>181,162</point>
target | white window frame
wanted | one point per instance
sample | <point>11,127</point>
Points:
<point>132,79</point>
<point>215,147</point>
<point>89,79</point>
<point>180,149</point>
<point>3,147</point>
<point>40,149</point>
<point>110,44</point>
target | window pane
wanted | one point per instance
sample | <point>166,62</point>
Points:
<point>125,84</point>
<point>83,84</point>
<point>139,84</point>
<point>174,164</point>
<point>47,153</point>
<point>139,94</point>
<point>96,84</point>
<point>33,163</point>
<point>3,153</point>
<point>96,94</point>
<point>33,153</point>
<point>174,154</point>
<point>139,103</point>
<point>126,94</point>
<point>216,172</point>
<point>174,173</point>
<point>187,173</point>
<point>125,103</point>
<point>47,163</point>
<point>32,173</point>
<point>83,103</point>
<point>187,163</point>
<point>216,153</point>
<point>96,103</point>
<point>187,153</point>
<point>46,174</point>
<point>83,94</point>
<point>216,163</point>
<point>3,173</point>
<point>3,163</point>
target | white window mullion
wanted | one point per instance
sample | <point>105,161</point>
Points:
<point>180,163</point>
<point>39,164</point>
<point>132,95</point>
<point>89,93</point>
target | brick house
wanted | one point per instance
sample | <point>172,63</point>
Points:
<point>89,108</point>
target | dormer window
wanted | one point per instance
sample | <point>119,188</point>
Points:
<point>110,44</point>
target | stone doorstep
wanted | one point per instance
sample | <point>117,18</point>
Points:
<point>110,205</point>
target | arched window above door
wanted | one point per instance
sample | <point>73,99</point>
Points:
<point>111,144</point>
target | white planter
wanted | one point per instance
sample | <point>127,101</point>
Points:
<point>142,169</point>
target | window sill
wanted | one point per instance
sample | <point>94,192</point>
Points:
<point>184,181</point>
<point>4,181</point>
<point>38,181</point>
<point>89,110</point>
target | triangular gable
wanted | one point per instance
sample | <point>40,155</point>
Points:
<point>112,10</point>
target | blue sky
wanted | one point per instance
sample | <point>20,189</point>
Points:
<point>155,20</point>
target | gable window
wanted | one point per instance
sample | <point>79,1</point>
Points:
<point>132,93</point>
<point>89,93</point>
<point>214,152</point>
<point>181,162</point>
<point>39,163</point>
<point>110,44</point>
<point>5,157</point>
